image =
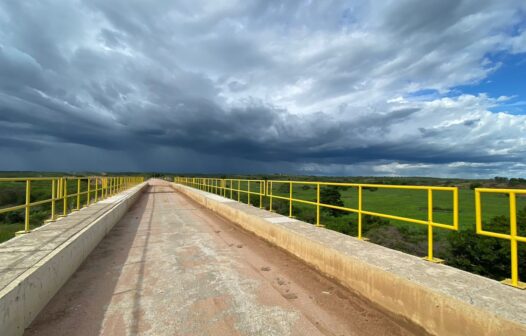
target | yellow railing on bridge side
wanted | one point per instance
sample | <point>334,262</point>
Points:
<point>265,188</point>
<point>226,187</point>
<point>96,188</point>
<point>513,236</point>
<point>360,211</point>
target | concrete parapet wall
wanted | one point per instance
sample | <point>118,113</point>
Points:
<point>440,299</point>
<point>50,266</point>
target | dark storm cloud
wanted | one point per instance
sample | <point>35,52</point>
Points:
<point>254,84</point>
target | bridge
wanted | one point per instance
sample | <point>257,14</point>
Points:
<point>128,257</point>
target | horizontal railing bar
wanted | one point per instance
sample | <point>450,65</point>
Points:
<point>13,208</point>
<point>367,185</point>
<point>504,191</point>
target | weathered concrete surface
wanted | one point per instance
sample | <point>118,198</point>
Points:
<point>171,267</point>
<point>34,266</point>
<point>441,299</point>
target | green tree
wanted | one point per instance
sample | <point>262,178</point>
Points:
<point>330,195</point>
<point>474,185</point>
<point>500,179</point>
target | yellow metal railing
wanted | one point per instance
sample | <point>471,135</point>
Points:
<point>360,211</point>
<point>514,237</point>
<point>97,188</point>
<point>266,188</point>
<point>227,187</point>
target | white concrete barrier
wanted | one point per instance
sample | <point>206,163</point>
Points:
<point>25,295</point>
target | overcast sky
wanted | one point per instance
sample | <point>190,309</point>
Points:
<point>402,87</point>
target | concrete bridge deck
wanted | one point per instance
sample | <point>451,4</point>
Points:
<point>171,267</point>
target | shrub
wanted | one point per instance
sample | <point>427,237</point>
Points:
<point>332,196</point>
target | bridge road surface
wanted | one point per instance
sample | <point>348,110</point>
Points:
<point>171,267</point>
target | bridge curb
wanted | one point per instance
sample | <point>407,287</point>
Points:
<point>438,311</point>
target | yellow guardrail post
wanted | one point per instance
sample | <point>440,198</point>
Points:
<point>248,192</point>
<point>238,190</point>
<point>65,190</point>
<point>78,193</point>
<point>430,225</point>
<point>28,206</point>
<point>88,197</point>
<point>269,192</point>
<point>360,195</point>
<point>231,189</point>
<point>59,189</point>
<point>54,182</point>
<point>290,199</point>
<point>318,204</point>
<point>96,189</point>
<point>430,229</point>
<point>261,191</point>
<point>513,240</point>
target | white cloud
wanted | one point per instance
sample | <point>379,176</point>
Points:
<point>306,86</point>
